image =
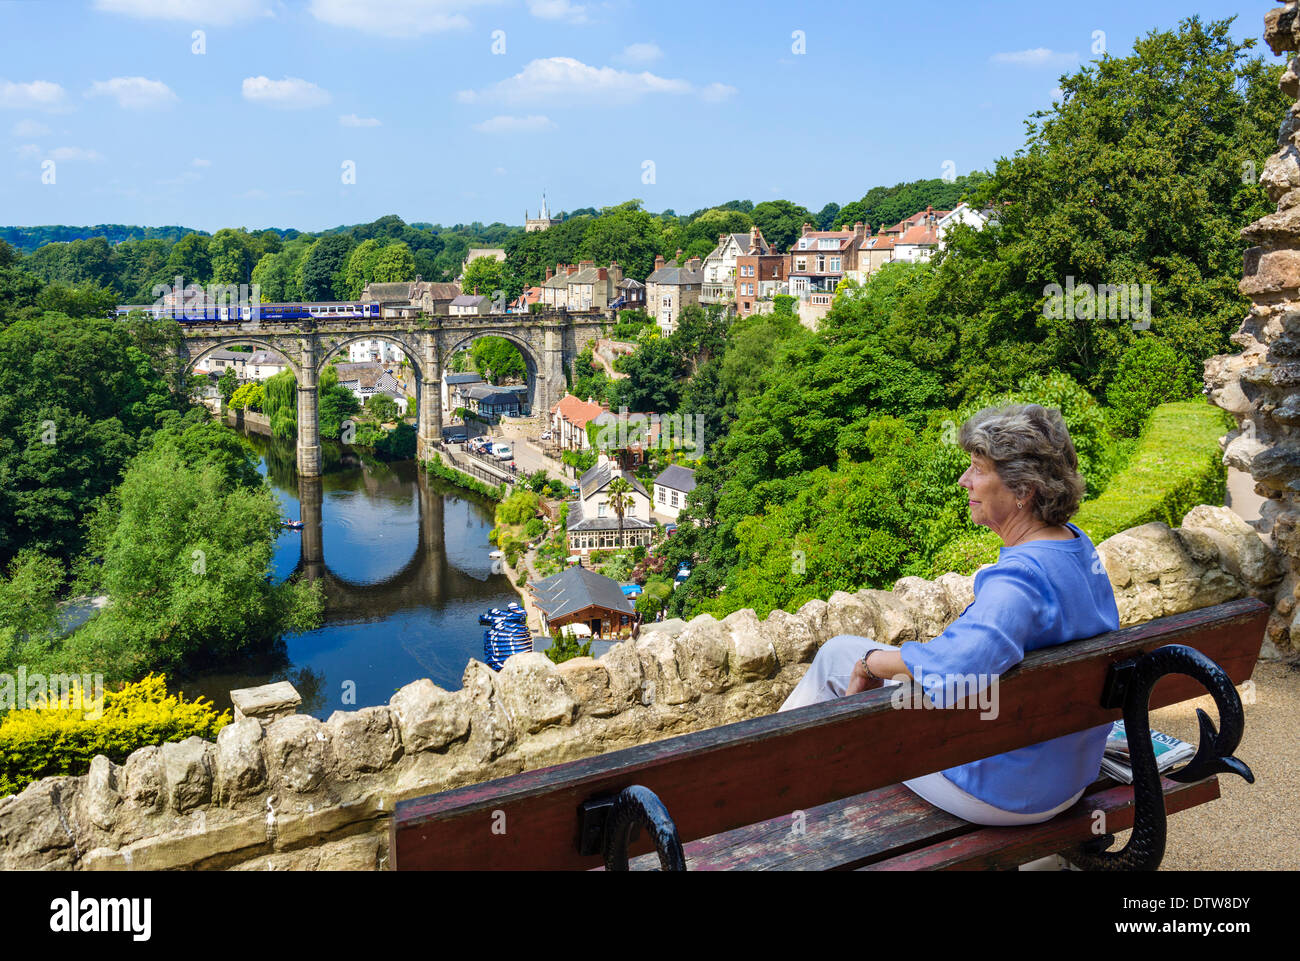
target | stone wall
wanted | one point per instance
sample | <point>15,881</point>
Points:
<point>287,791</point>
<point>1260,386</point>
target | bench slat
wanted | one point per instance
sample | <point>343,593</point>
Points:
<point>991,849</point>
<point>723,778</point>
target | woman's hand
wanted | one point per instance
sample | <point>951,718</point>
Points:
<point>861,680</point>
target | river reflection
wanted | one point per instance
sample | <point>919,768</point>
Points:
<point>403,561</point>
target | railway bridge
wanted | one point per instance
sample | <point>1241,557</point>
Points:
<point>549,343</point>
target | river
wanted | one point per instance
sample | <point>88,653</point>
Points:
<point>403,559</point>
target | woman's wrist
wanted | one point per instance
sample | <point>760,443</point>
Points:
<point>866,666</point>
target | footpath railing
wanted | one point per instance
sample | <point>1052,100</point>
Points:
<point>467,466</point>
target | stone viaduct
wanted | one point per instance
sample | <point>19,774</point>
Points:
<point>549,343</point>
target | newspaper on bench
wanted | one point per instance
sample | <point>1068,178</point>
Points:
<point>1116,762</point>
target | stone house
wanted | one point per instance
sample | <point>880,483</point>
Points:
<point>672,288</point>
<point>581,596</point>
<point>409,298</point>
<point>470,305</point>
<point>365,380</point>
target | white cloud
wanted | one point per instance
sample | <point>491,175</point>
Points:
<point>200,162</point>
<point>291,93</point>
<point>716,92</point>
<point>134,93</point>
<point>352,120</point>
<point>198,12</point>
<point>503,124</point>
<point>186,177</point>
<point>1058,94</point>
<point>29,128</point>
<point>28,150</point>
<point>499,171</point>
<point>76,153</point>
<point>1038,57</point>
<point>558,10</point>
<point>396,18</point>
<point>564,79</point>
<point>37,95</point>
<point>640,53</point>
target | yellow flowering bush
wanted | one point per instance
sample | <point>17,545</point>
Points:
<point>59,738</point>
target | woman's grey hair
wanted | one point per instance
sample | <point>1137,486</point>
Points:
<point>1029,447</point>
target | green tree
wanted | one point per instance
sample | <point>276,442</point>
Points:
<point>228,384</point>
<point>394,265</point>
<point>1150,373</point>
<point>190,259</point>
<point>497,359</point>
<point>781,221</point>
<point>186,562</point>
<point>323,268</point>
<point>620,501</point>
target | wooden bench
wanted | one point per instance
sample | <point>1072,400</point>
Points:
<point>820,787</point>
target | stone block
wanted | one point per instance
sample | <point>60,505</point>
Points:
<point>428,717</point>
<point>361,741</point>
<point>187,773</point>
<point>241,769</point>
<point>267,703</point>
<point>295,752</point>
<point>534,693</point>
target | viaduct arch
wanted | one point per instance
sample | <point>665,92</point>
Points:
<point>549,343</point>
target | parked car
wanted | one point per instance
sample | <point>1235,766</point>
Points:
<point>503,452</point>
<point>546,435</point>
<point>683,573</point>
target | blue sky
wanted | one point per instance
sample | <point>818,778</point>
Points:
<point>460,110</point>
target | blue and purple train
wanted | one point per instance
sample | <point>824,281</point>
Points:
<point>237,313</point>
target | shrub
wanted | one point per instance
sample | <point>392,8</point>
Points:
<point>1150,373</point>
<point>518,507</point>
<point>57,739</point>
<point>564,648</point>
<point>535,528</point>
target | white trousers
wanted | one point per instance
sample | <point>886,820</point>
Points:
<point>828,677</point>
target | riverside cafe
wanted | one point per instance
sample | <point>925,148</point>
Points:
<point>585,599</point>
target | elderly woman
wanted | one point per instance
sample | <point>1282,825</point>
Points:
<point>1048,587</point>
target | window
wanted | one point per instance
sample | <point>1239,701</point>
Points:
<point>662,496</point>
<point>835,265</point>
<point>674,500</point>
<point>821,264</point>
<point>600,511</point>
<point>829,243</point>
<point>801,263</point>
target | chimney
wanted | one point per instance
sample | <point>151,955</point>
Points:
<point>571,270</point>
<point>678,258</point>
<point>602,274</point>
<point>586,263</point>
<point>615,272</point>
<point>693,264</point>
<point>476,290</point>
<point>659,262</point>
<point>549,273</point>
<point>754,237</point>
<point>807,229</point>
<point>860,230</point>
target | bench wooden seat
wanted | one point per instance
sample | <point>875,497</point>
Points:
<point>734,790</point>
<point>893,829</point>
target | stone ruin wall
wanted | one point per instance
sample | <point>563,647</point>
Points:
<point>1260,386</point>
<point>292,792</point>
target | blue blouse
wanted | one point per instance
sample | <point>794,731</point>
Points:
<point>1039,594</point>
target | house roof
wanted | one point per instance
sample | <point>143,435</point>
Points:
<point>489,391</point>
<point>577,588</point>
<point>599,477</point>
<point>367,375</point>
<point>268,357</point>
<point>878,243</point>
<point>630,284</point>
<point>469,300</point>
<point>222,354</point>
<point>578,521</point>
<point>462,378</point>
<point>577,412</point>
<point>388,293</point>
<point>923,235</point>
<point>678,478</point>
<point>675,276</point>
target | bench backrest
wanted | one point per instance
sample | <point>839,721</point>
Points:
<point>727,777</point>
